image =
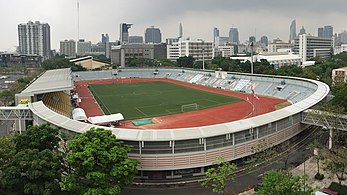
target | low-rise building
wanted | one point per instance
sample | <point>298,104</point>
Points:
<point>339,75</point>
<point>340,49</point>
<point>276,59</point>
<point>89,62</point>
<point>200,50</point>
<point>121,53</point>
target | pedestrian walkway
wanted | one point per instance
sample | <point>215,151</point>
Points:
<point>310,167</point>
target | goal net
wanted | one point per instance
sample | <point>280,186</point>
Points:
<point>189,107</point>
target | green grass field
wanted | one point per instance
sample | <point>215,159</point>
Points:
<point>150,99</point>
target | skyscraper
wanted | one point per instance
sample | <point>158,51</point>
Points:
<point>35,38</point>
<point>234,36</point>
<point>292,32</point>
<point>105,38</point>
<point>264,40</point>
<point>302,31</point>
<point>252,39</point>
<point>326,32</point>
<point>215,36</point>
<point>180,31</point>
<point>124,32</point>
<point>152,35</point>
<point>215,33</point>
<point>68,48</point>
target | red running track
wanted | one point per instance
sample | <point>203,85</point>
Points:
<point>209,116</point>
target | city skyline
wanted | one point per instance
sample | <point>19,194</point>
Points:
<point>198,19</point>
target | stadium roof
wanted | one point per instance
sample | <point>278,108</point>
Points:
<point>50,81</point>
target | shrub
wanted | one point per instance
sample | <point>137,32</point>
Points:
<point>342,189</point>
<point>319,176</point>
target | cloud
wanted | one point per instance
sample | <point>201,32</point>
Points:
<point>265,17</point>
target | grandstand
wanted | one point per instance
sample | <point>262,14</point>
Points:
<point>167,153</point>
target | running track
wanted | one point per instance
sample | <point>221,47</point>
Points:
<point>210,116</point>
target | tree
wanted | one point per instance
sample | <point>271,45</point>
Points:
<point>56,63</point>
<point>261,153</point>
<point>34,172</point>
<point>186,61</point>
<point>35,167</point>
<point>283,183</point>
<point>99,164</point>
<point>7,97</point>
<point>38,137</point>
<point>335,158</point>
<point>7,152</point>
<point>316,145</point>
<point>218,175</point>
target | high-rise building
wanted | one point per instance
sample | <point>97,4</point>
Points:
<point>307,46</point>
<point>152,35</point>
<point>264,40</point>
<point>83,47</point>
<point>302,31</point>
<point>105,38</point>
<point>216,36</point>
<point>124,32</point>
<point>292,32</point>
<point>35,38</point>
<point>252,39</point>
<point>326,32</point>
<point>68,48</point>
<point>215,33</point>
<point>135,39</point>
<point>180,31</point>
<point>234,36</point>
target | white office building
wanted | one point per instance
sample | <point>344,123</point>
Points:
<point>307,46</point>
<point>225,51</point>
<point>279,47</point>
<point>340,49</point>
<point>200,50</point>
<point>277,59</point>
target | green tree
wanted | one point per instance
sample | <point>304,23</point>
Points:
<point>261,153</point>
<point>316,145</point>
<point>185,61</point>
<point>99,164</point>
<point>33,172</point>
<point>7,152</point>
<point>217,177</point>
<point>55,63</point>
<point>334,159</point>
<point>283,183</point>
<point>35,167</point>
<point>7,97</point>
<point>38,137</point>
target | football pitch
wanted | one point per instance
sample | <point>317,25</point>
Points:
<point>150,99</point>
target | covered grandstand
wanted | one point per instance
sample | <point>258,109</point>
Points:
<point>166,153</point>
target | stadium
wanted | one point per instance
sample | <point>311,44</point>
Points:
<point>178,121</point>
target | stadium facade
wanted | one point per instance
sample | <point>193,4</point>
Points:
<point>183,152</point>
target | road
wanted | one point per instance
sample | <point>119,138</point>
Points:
<point>295,154</point>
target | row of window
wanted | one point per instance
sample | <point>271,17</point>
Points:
<point>194,145</point>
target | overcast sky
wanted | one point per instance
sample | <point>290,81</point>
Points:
<point>198,17</point>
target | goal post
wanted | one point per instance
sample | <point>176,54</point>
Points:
<point>189,107</point>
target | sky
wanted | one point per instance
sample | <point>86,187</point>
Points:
<point>198,17</point>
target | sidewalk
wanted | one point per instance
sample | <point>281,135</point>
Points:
<point>310,170</point>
